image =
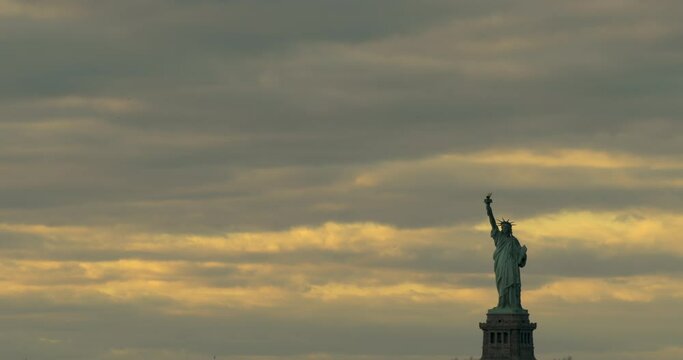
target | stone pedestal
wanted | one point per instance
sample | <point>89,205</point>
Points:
<point>508,336</point>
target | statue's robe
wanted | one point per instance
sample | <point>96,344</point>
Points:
<point>508,258</point>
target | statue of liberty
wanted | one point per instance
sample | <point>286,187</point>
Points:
<point>508,257</point>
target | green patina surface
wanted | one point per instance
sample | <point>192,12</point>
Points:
<point>508,258</point>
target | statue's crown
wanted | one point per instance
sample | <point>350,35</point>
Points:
<point>505,221</point>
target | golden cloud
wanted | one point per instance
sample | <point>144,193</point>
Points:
<point>527,168</point>
<point>193,279</point>
<point>412,292</point>
<point>39,10</point>
<point>645,230</point>
<point>110,104</point>
<point>626,289</point>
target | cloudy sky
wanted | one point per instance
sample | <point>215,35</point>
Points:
<point>303,179</point>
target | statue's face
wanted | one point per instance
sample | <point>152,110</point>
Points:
<point>506,229</point>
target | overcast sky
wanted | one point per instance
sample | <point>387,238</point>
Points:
<point>304,179</point>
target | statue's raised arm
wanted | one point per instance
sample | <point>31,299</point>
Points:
<point>489,211</point>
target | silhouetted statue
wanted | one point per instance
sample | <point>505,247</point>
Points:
<point>508,257</point>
